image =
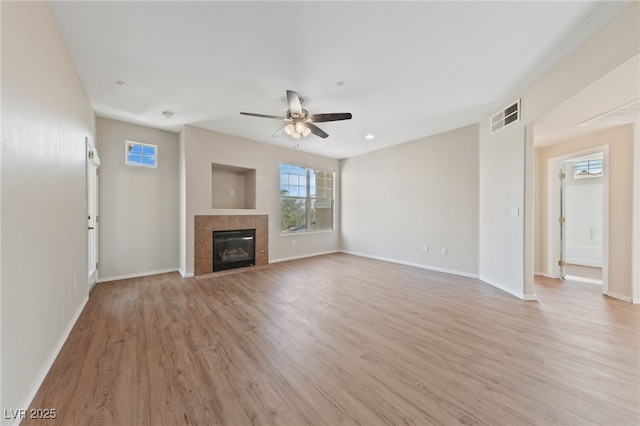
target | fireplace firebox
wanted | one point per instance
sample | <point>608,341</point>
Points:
<point>233,249</point>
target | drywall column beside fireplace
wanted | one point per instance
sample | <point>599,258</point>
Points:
<point>203,230</point>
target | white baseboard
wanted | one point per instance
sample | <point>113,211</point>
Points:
<point>137,275</point>
<point>542,274</point>
<point>50,360</point>
<point>619,296</point>
<point>186,274</point>
<point>512,292</point>
<point>284,259</point>
<point>417,265</point>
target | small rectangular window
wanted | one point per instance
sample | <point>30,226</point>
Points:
<point>589,168</point>
<point>141,154</point>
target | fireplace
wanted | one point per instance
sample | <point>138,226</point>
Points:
<point>204,225</point>
<point>233,249</point>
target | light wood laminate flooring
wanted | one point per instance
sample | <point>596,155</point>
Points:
<point>340,339</point>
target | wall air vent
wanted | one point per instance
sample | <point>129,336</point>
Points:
<point>504,117</point>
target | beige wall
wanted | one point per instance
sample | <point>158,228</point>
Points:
<point>46,117</point>
<point>201,148</point>
<point>620,141</point>
<point>398,199</point>
<point>138,205</point>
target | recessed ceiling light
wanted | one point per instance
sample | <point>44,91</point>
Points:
<point>369,137</point>
<point>167,114</point>
<point>121,83</point>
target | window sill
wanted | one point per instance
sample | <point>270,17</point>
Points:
<point>293,234</point>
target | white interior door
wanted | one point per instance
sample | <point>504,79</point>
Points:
<point>93,164</point>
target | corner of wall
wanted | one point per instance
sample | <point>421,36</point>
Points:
<point>182,204</point>
<point>635,283</point>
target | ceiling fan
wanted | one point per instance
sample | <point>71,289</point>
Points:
<point>299,121</point>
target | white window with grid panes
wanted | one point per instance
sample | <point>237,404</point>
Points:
<point>306,202</point>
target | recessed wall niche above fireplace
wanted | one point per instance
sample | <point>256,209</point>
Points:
<point>232,187</point>
<point>205,226</point>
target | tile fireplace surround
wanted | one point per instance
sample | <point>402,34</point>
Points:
<point>203,238</point>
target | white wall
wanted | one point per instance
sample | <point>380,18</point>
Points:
<point>46,116</point>
<point>397,199</point>
<point>138,205</point>
<point>200,148</point>
<point>501,191</point>
<point>502,240</point>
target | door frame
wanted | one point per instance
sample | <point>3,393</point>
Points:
<point>635,266</point>
<point>92,199</point>
<point>553,212</point>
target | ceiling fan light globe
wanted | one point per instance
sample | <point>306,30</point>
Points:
<point>306,132</point>
<point>289,129</point>
<point>300,127</point>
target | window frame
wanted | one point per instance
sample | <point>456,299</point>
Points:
<point>308,200</point>
<point>142,156</point>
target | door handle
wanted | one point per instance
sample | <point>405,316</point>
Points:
<point>91,227</point>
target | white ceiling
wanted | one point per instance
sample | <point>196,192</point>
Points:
<point>410,69</point>
<point>618,88</point>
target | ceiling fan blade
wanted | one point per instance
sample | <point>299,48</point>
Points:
<point>279,131</point>
<point>264,116</point>
<point>317,130</point>
<point>295,106</point>
<point>319,118</point>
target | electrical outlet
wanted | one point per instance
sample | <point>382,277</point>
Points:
<point>443,250</point>
<point>293,242</point>
<point>351,238</point>
<point>425,248</point>
<point>233,192</point>
<point>75,283</point>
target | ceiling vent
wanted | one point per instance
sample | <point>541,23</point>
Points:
<point>628,113</point>
<point>503,118</point>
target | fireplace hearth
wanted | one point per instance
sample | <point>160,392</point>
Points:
<point>233,249</point>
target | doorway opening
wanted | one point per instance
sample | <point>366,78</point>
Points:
<point>582,225</point>
<point>578,213</point>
